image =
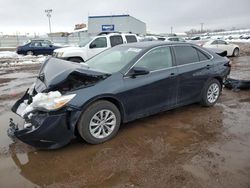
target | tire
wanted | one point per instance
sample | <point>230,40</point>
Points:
<point>29,53</point>
<point>94,129</point>
<point>211,93</point>
<point>236,52</point>
<point>75,59</point>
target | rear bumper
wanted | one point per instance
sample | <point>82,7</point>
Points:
<point>45,130</point>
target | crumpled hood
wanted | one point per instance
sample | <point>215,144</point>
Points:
<point>55,71</point>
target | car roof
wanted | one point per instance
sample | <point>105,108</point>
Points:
<point>152,44</point>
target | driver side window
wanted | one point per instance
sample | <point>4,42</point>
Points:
<point>157,59</point>
<point>99,43</point>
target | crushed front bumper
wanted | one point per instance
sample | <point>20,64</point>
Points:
<point>46,130</point>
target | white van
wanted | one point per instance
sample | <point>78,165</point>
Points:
<point>92,46</point>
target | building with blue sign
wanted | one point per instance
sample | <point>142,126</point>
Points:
<point>118,23</point>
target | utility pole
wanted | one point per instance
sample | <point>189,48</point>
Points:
<point>171,30</point>
<point>48,13</point>
<point>202,27</point>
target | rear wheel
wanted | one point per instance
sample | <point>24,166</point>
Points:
<point>99,122</point>
<point>75,59</point>
<point>236,52</point>
<point>211,93</point>
<point>30,53</point>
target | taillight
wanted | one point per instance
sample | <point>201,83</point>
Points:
<point>228,64</point>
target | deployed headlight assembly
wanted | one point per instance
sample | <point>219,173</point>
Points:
<point>51,104</point>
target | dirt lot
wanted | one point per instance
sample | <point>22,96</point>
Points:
<point>188,147</point>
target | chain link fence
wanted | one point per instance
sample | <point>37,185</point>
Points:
<point>12,41</point>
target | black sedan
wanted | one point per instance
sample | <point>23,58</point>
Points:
<point>37,47</point>
<point>121,84</point>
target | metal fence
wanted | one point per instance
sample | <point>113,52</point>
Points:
<point>12,41</point>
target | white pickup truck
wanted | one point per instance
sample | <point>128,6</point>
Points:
<point>92,46</point>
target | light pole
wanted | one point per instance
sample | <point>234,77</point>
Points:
<point>202,27</point>
<point>48,13</point>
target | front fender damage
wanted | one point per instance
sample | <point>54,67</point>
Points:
<point>45,130</point>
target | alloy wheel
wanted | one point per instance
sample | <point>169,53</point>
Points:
<point>102,124</point>
<point>213,93</point>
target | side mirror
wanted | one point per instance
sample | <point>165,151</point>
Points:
<point>137,71</point>
<point>92,45</point>
<point>50,45</point>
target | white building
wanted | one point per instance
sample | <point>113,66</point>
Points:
<point>118,23</point>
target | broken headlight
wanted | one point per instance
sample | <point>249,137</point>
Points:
<point>55,103</point>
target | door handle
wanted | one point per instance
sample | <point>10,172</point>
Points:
<point>208,66</point>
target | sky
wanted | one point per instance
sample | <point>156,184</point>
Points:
<point>28,16</point>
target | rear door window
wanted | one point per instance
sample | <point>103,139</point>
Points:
<point>202,56</point>
<point>35,44</point>
<point>130,38</point>
<point>185,55</point>
<point>116,40</point>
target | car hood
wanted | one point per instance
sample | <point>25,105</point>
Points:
<point>56,72</point>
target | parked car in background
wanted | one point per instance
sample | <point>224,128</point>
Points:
<point>119,85</point>
<point>175,39</point>
<point>92,46</point>
<point>232,49</point>
<point>37,47</point>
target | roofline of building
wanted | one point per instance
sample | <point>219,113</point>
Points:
<point>119,15</point>
<point>110,16</point>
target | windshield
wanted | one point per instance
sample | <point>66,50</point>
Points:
<point>85,41</point>
<point>113,59</point>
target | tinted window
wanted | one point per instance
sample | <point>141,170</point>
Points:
<point>185,55</point>
<point>36,44</point>
<point>214,42</point>
<point>45,44</point>
<point>130,38</point>
<point>173,39</point>
<point>159,58</point>
<point>202,56</point>
<point>221,42</point>
<point>116,40</point>
<point>99,43</point>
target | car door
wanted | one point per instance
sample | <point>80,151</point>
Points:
<point>96,46</point>
<point>35,47</point>
<point>47,48</point>
<point>194,68</point>
<point>223,45</point>
<point>155,91</point>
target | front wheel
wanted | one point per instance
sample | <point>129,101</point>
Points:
<point>211,93</point>
<point>99,122</point>
<point>29,53</point>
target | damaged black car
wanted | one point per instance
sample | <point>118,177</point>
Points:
<point>121,84</point>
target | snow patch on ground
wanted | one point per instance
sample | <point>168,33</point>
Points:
<point>8,59</point>
<point>239,40</point>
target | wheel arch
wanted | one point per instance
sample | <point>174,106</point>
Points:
<point>220,79</point>
<point>78,57</point>
<point>111,99</point>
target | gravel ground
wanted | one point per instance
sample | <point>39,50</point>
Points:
<point>190,146</point>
